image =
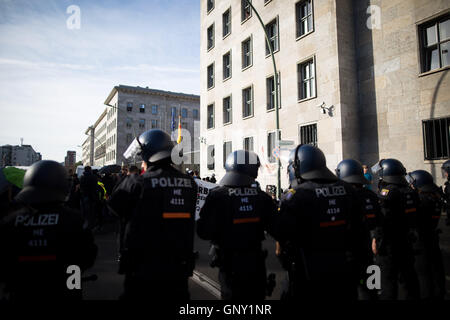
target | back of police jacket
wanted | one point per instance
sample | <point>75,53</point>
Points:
<point>324,224</point>
<point>400,208</point>
<point>37,246</point>
<point>234,219</point>
<point>159,237</point>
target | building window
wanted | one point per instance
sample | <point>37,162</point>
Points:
<point>306,80</point>
<point>272,32</point>
<point>210,36</point>
<point>195,113</point>
<point>436,138</point>
<point>246,10</point>
<point>248,144</point>
<point>271,146</point>
<point>211,76</point>
<point>142,108</point>
<point>174,111</point>
<point>209,5</point>
<point>154,124</point>
<point>308,134</point>
<point>142,123</point>
<point>210,120</point>
<point>130,106</point>
<point>227,149</point>
<point>227,111</point>
<point>210,158</point>
<point>129,138</point>
<point>129,122</point>
<point>226,65</point>
<point>226,23</point>
<point>184,113</point>
<point>270,92</point>
<point>154,109</point>
<point>435,43</point>
<point>247,53</point>
<point>247,102</point>
<point>303,17</point>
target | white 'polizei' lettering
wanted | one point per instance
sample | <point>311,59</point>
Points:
<point>37,220</point>
<point>242,192</point>
<point>330,191</point>
<point>171,182</point>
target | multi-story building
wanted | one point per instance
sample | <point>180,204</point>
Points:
<point>87,153</point>
<point>359,79</point>
<point>133,110</point>
<point>70,159</point>
<point>23,155</point>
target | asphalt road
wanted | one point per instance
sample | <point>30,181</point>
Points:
<point>204,283</point>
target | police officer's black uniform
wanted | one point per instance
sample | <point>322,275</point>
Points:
<point>446,188</point>
<point>158,246</point>
<point>40,241</point>
<point>399,207</point>
<point>428,256</point>
<point>234,217</point>
<point>320,230</point>
<point>351,171</point>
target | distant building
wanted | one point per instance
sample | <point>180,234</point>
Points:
<point>23,155</point>
<point>70,159</point>
<point>130,112</point>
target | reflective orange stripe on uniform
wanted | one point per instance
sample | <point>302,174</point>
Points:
<point>410,210</point>
<point>332,223</point>
<point>36,258</point>
<point>176,215</point>
<point>246,220</point>
<point>370,215</point>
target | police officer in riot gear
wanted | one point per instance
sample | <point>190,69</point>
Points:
<point>351,171</point>
<point>158,245</point>
<point>446,175</point>
<point>234,217</point>
<point>41,240</point>
<point>400,207</point>
<point>321,227</point>
<point>428,258</point>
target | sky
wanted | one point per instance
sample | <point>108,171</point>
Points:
<point>57,66</point>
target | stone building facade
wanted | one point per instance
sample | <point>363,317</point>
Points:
<point>352,81</point>
<point>23,155</point>
<point>132,110</point>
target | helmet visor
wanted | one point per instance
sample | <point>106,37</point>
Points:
<point>376,168</point>
<point>410,179</point>
<point>133,150</point>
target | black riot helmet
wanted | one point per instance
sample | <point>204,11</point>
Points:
<point>310,164</point>
<point>422,181</point>
<point>445,168</point>
<point>290,168</point>
<point>44,182</point>
<point>241,167</point>
<point>390,171</point>
<point>153,145</point>
<point>351,171</point>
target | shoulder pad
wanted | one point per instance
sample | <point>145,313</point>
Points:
<point>290,194</point>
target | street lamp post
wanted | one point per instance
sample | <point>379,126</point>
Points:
<point>275,77</point>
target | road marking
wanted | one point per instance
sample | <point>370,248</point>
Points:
<point>207,283</point>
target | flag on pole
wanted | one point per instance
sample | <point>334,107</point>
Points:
<point>179,130</point>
